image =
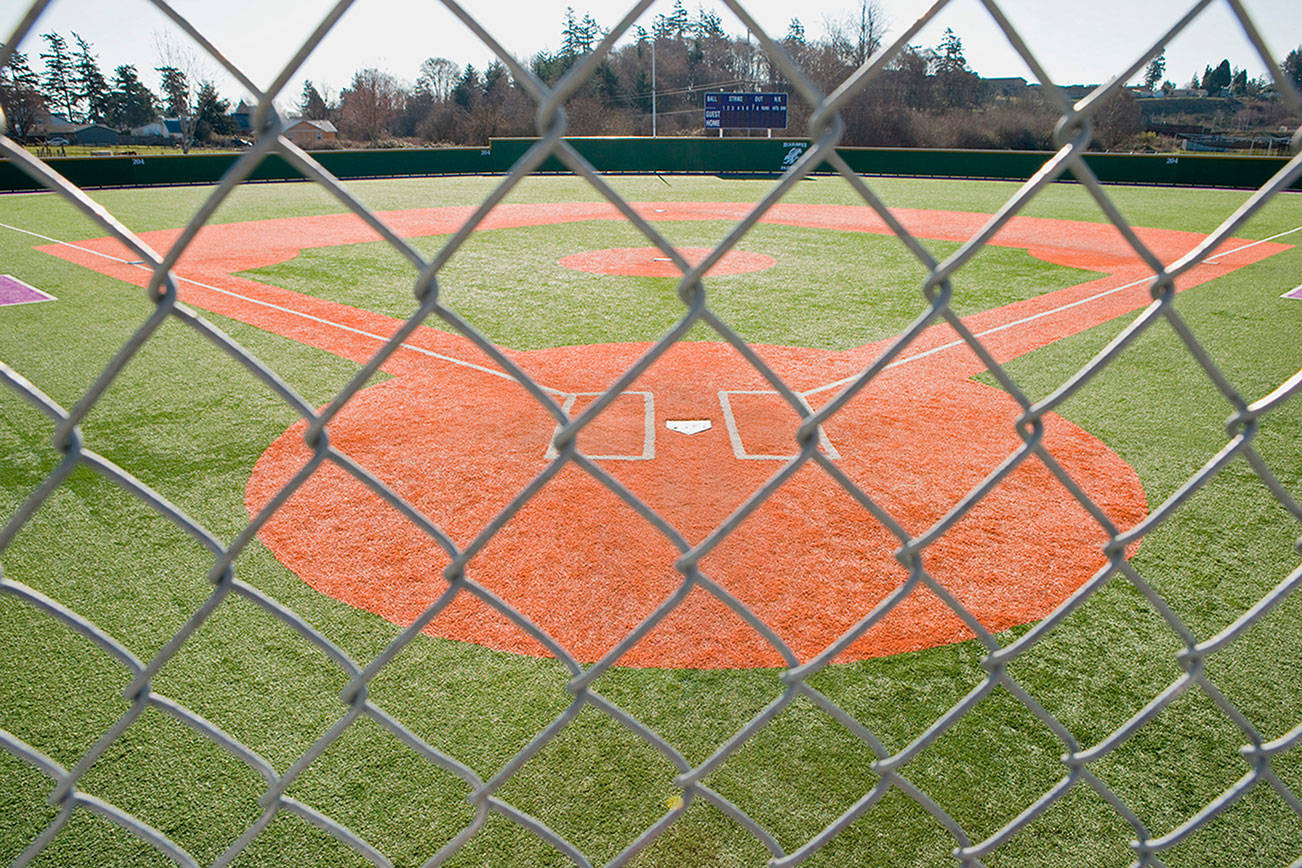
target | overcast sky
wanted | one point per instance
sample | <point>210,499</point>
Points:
<point>1077,42</point>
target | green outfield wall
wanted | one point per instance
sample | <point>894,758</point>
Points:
<point>152,170</point>
<point>715,156</point>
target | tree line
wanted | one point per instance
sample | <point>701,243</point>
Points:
<point>72,84</point>
<point>692,55</point>
<point>927,96</point>
<point>1222,79</point>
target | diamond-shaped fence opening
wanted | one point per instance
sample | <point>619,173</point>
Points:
<point>522,594</point>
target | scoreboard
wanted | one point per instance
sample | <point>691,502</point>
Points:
<point>745,111</point>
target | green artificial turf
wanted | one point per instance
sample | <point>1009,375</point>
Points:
<point>831,290</point>
<point>188,421</point>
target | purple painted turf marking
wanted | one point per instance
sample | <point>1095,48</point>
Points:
<point>14,291</point>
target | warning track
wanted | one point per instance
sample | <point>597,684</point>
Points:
<point>458,440</point>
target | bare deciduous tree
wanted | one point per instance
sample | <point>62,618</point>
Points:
<point>437,76</point>
<point>856,36</point>
<point>179,65</point>
<point>368,107</point>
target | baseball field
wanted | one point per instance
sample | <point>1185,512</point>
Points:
<point>352,544</point>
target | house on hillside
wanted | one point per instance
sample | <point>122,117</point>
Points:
<point>243,117</point>
<point>95,134</point>
<point>53,125</point>
<point>153,129</point>
<point>161,128</point>
<point>1008,88</point>
<point>1076,92</point>
<point>309,134</point>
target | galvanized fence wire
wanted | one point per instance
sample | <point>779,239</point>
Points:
<point>1074,135</point>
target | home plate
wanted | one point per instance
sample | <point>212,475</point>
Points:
<point>688,426</point>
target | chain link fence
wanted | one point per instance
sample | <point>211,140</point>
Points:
<point>890,776</point>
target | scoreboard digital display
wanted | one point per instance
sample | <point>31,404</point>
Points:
<point>745,111</point>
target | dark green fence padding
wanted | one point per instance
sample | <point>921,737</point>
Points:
<point>714,156</point>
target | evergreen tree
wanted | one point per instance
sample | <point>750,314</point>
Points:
<point>1239,84</point>
<point>671,26</point>
<point>578,37</point>
<point>608,84</point>
<point>20,73</point>
<point>465,92</point>
<point>20,96</point>
<point>590,32</point>
<point>956,85</point>
<point>642,89</point>
<point>571,35</point>
<point>1155,70</point>
<point>1215,80</point>
<point>211,113</point>
<point>797,45</point>
<point>1293,67</point>
<point>176,103</point>
<point>495,74</point>
<point>92,88</point>
<point>679,22</point>
<point>949,57</point>
<point>548,67</point>
<point>1224,75</point>
<point>312,105</point>
<point>708,26</point>
<point>176,91</point>
<point>795,33</point>
<point>130,103</point>
<point>60,75</point>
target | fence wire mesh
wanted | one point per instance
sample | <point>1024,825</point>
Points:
<point>1076,789</point>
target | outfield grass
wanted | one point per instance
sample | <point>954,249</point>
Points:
<point>191,423</point>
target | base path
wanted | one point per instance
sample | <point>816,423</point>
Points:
<point>459,440</point>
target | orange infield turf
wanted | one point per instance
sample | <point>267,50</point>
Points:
<point>458,440</point>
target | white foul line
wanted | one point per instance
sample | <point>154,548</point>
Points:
<point>309,317</point>
<point>989,331</point>
<point>502,375</point>
<point>1213,259</point>
<point>1032,318</point>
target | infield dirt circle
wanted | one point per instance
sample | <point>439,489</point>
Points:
<point>459,440</point>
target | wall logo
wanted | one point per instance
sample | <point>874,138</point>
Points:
<point>794,153</point>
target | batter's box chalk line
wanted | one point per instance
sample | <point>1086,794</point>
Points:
<point>688,426</point>
<point>648,427</point>
<point>734,430</point>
